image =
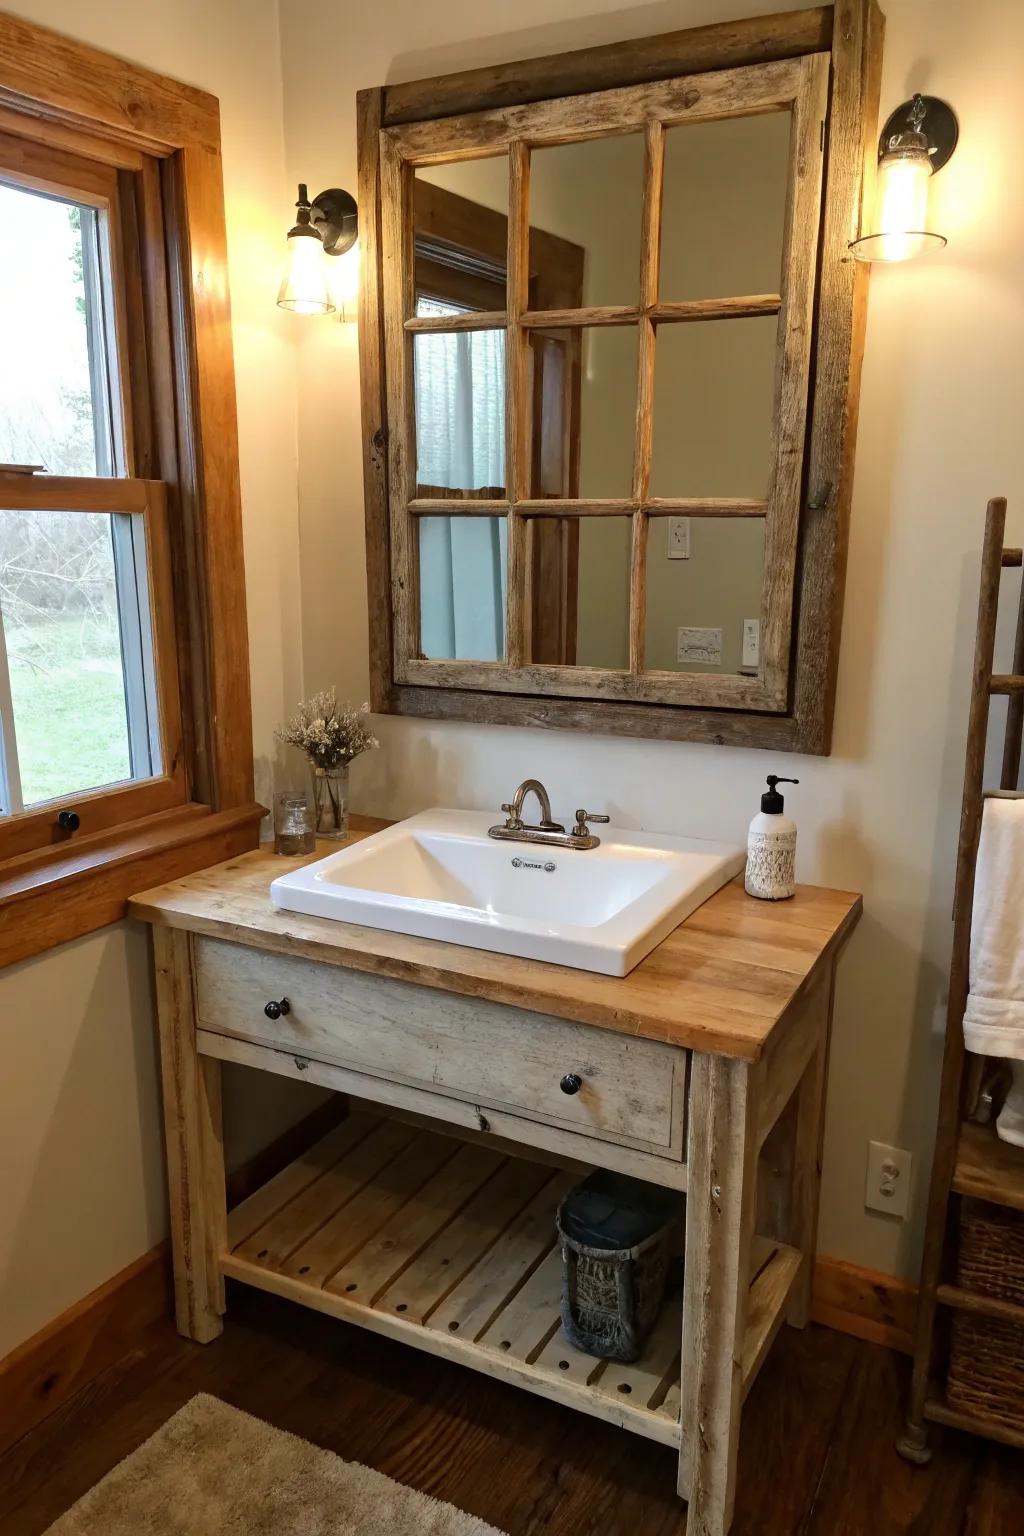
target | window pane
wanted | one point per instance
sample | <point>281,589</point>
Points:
<point>703,593</point>
<point>585,202</point>
<point>714,392</point>
<point>607,410</point>
<point>54,394</point>
<point>602,620</point>
<point>463,565</point>
<point>723,214</point>
<point>78,650</point>
<point>460,410</point>
<point>460,232</point>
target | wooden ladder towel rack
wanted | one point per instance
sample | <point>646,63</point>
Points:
<point>969,1158</point>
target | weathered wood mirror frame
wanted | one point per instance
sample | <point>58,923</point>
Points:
<point>789,706</point>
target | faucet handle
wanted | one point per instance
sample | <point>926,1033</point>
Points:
<point>582,817</point>
<point>512,822</point>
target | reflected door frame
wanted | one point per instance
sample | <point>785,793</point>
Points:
<point>460,253</point>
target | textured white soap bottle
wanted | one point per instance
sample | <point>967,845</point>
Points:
<point>771,847</point>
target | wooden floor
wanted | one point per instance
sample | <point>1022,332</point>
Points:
<point>817,1459</point>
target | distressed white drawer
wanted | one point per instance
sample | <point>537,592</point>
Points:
<point>631,1091</point>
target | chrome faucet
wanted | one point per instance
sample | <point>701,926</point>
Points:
<point>515,830</point>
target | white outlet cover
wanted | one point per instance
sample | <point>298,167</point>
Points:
<point>704,645</point>
<point>679,538</point>
<point>888,1180</point>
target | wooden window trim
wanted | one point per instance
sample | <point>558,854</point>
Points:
<point>852,30</point>
<point>153,143</point>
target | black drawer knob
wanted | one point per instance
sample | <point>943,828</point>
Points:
<point>571,1083</point>
<point>69,821</point>
<point>275,1010</point>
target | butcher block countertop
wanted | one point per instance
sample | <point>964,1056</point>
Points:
<point>719,983</point>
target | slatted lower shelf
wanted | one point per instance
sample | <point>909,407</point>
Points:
<point>451,1246</point>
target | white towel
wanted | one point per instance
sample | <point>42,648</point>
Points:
<point>994,1017</point>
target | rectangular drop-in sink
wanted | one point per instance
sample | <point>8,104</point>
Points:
<point>439,876</point>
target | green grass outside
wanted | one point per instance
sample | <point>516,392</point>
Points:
<point>69,710</point>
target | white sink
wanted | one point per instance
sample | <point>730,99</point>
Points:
<point>439,876</point>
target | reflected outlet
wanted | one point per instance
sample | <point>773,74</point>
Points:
<point>700,645</point>
<point>679,538</point>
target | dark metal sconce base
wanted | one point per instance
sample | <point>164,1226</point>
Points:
<point>335,218</point>
<point>939,126</point>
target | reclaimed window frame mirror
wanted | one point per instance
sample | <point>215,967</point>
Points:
<point>441,272</point>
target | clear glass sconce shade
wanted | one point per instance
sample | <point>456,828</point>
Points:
<point>305,287</point>
<point>901,210</point>
<point>344,280</point>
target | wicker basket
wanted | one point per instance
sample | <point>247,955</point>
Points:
<point>991,1256</point>
<point>986,1368</point>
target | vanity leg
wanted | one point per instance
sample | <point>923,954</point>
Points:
<point>720,1209</point>
<point>193,1139</point>
<point>809,1136</point>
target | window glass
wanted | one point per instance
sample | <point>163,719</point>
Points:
<point>80,711</point>
<point>54,383</point>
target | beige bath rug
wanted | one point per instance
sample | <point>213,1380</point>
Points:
<point>215,1471</point>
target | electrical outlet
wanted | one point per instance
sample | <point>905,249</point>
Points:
<point>704,645</point>
<point>751,642</point>
<point>679,538</point>
<point>888,1180</point>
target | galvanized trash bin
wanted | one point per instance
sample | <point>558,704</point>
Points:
<point>616,1235</point>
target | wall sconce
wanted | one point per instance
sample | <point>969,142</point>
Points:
<point>327,226</point>
<point>917,140</point>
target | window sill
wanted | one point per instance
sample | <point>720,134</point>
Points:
<point>56,894</point>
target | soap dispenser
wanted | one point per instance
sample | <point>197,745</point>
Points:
<point>771,847</point>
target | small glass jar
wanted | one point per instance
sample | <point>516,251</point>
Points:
<point>294,832</point>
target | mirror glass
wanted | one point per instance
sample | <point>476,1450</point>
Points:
<point>463,565</point>
<point>598,410</point>
<point>722,235</point>
<point>585,223</point>
<point>714,391</point>
<point>460,233</point>
<point>602,605</point>
<point>724,207</point>
<point>703,585</point>
<point>459,381</point>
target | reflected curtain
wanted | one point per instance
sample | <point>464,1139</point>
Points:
<point>460,448</point>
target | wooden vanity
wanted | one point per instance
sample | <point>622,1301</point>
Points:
<point>428,1214</point>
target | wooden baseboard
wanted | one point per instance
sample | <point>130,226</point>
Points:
<point>77,1346</point>
<point>73,1349</point>
<point>873,1306</point>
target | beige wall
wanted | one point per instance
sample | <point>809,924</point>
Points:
<point>82,1182</point>
<point>939,433</point>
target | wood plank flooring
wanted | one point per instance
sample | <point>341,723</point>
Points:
<point>816,1460</point>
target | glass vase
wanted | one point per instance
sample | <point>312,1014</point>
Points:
<point>330,801</point>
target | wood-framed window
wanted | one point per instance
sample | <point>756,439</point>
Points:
<point>816,72</point>
<point>90,707</point>
<point>124,702</point>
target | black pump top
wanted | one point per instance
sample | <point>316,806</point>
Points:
<point>772,803</point>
